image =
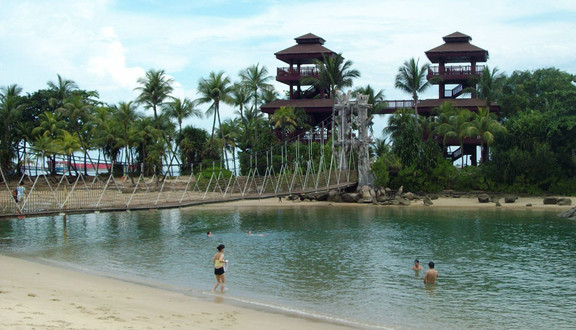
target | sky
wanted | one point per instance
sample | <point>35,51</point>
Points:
<point>106,45</point>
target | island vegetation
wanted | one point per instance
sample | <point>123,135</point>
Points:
<point>529,147</point>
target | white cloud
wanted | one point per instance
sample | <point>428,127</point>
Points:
<point>104,48</point>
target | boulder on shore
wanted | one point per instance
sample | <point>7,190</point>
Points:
<point>564,201</point>
<point>550,200</point>
<point>510,198</point>
<point>350,197</point>
<point>483,198</point>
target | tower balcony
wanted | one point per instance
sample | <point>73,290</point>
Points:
<point>453,74</point>
<point>287,74</point>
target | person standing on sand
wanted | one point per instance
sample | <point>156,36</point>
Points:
<point>219,262</point>
<point>431,274</point>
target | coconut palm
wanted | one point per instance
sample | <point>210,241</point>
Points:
<point>486,126</point>
<point>375,99</point>
<point>442,124</point>
<point>49,129</point>
<point>181,109</point>
<point>11,107</point>
<point>333,74</point>
<point>126,114</point>
<point>232,132</point>
<point>255,78</point>
<point>77,113</point>
<point>411,78</point>
<point>284,120</point>
<point>62,89</point>
<point>155,88</point>
<point>239,97</point>
<point>68,144</point>
<point>489,85</point>
<point>216,88</point>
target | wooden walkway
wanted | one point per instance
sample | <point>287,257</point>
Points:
<point>49,195</point>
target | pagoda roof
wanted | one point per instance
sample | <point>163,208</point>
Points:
<point>457,49</point>
<point>308,47</point>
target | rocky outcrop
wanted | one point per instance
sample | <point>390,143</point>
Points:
<point>550,200</point>
<point>510,199</point>
<point>564,201</point>
<point>557,201</point>
<point>570,214</point>
<point>483,198</point>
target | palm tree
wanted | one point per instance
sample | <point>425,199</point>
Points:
<point>232,132</point>
<point>215,89</point>
<point>68,143</point>
<point>375,99</point>
<point>11,107</point>
<point>77,112</point>
<point>106,132</point>
<point>333,74</point>
<point>462,127</point>
<point>255,78</point>
<point>155,88</point>
<point>63,88</point>
<point>486,126</point>
<point>239,97</point>
<point>126,115</point>
<point>489,86</point>
<point>411,78</point>
<point>442,124</point>
<point>49,129</point>
<point>181,109</point>
<point>284,119</point>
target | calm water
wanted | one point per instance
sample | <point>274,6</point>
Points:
<point>497,269</point>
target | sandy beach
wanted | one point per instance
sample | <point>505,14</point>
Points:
<point>469,202</point>
<point>37,296</point>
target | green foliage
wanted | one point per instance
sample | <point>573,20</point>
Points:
<point>213,173</point>
<point>380,172</point>
<point>406,133</point>
<point>566,186</point>
<point>472,178</point>
<point>430,173</point>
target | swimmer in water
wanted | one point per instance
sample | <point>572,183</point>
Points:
<point>431,274</point>
<point>417,265</point>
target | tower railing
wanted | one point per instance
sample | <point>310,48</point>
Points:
<point>287,72</point>
<point>453,70</point>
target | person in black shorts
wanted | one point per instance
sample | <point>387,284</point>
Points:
<point>219,262</point>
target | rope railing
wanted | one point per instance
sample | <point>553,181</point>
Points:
<point>40,192</point>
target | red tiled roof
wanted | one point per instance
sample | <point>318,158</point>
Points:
<point>309,38</point>
<point>456,49</point>
<point>308,48</point>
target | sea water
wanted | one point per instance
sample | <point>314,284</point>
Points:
<point>497,269</point>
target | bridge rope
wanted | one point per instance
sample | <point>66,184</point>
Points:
<point>73,191</point>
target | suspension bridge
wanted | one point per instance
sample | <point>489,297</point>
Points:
<point>38,190</point>
<point>72,191</point>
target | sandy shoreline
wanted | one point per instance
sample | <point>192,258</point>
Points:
<point>536,203</point>
<point>38,296</point>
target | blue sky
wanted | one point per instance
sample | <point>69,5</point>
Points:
<point>107,45</point>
